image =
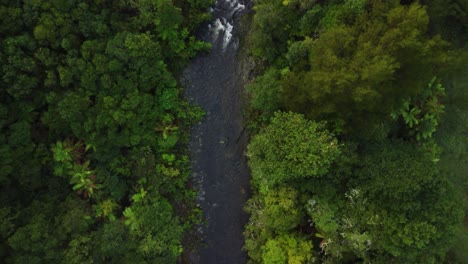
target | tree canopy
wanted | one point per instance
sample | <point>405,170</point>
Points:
<point>94,129</point>
<point>346,102</point>
<point>362,60</point>
<point>291,147</point>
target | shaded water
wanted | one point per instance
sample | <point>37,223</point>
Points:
<point>217,143</point>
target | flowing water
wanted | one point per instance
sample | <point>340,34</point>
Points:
<point>217,143</point>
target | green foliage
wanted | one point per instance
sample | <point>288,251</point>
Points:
<point>274,214</point>
<point>90,96</point>
<point>194,12</point>
<point>78,251</point>
<point>36,241</point>
<point>281,209</point>
<point>423,113</point>
<point>423,201</point>
<point>69,163</point>
<point>266,91</point>
<point>323,213</point>
<point>278,210</point>
<point>417,226</point>
<point>364,73</point>
<point>271,28</point>
<point>352,63</point>
<point>7,226</point>
<point>451,137</point>
<point>290,249</point>
<point>289,148</point>
<point>156,228</point>
<point>366,59</point>
<point>449,18</point>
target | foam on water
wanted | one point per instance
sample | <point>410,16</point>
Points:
<point>223,25</point>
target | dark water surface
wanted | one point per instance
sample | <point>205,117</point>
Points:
<point>217,143</point>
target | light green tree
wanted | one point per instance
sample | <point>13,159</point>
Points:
<point>288,249</point>
<point>289,148</point>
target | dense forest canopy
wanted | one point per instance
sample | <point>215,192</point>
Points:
<point>359,124</point>
<point>93,129</point>
<point>346,165</point>
<point>361,60</point>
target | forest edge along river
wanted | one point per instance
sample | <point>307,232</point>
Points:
<point>220,174</point>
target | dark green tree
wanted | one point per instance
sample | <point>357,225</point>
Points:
<point>397,208</point>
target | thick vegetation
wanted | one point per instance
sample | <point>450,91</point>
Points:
<point>93,130</point>
<point>345,167</point>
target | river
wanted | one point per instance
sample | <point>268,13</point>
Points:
<point>217,145</point>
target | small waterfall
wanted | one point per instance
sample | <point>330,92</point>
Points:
<point>224,12</point>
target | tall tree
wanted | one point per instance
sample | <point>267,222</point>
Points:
<point>291,147</point>
<point>363,70</point>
